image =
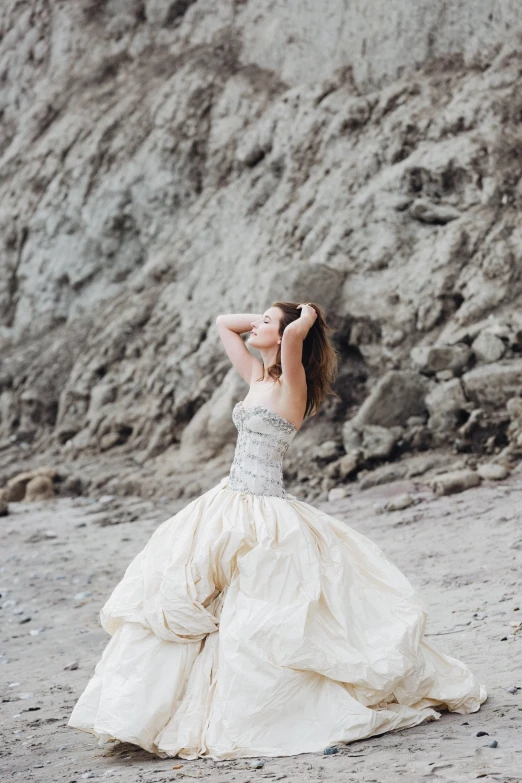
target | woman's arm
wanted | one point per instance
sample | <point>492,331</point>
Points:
<point>292,348</point>
<point>230,327</point>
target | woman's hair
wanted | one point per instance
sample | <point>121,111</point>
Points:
<point>320,359</point>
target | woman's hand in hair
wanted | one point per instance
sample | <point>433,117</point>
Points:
<point>308,313</point>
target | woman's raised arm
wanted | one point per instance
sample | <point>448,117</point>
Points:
<point>230,328</point>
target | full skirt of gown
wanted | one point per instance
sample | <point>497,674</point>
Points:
<point>253,625</point>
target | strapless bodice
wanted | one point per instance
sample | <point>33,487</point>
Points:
<point>263,440</point>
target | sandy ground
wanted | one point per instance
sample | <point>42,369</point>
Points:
<point>61,558</point>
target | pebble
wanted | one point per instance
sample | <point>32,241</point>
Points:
<point>398,503</point>
<point>330,751</point>
<point>513,689</point>
<point>256,764</point>
<point>71,666</point>
<point>24,620</point>
<point>81,596</point>
<point>493,744</point>
<point>482,734</point>
<point>88,775</point>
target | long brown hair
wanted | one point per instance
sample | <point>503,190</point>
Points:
<point>320,359</point>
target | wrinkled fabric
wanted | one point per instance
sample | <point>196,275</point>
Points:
<point>253,625</point>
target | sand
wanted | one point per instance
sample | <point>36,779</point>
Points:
<point>61,558</point>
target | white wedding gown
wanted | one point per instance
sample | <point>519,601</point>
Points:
<point>253,624</point>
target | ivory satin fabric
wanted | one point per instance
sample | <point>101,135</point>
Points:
<point>253,625</point>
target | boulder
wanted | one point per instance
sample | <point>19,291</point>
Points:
<point>39,488</point>
<point>445,403</point>
<point>492,471</point>
<point>455,481</point>
<point>16,487</point>
<point>492,385</point>
<point>348,464</point>
<point>377,442</point>
<point>327,451</point>
<point>431,359</point>
<point>488,348</point>
<point>398,395</point>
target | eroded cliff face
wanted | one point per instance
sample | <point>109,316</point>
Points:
<point>162,162</point>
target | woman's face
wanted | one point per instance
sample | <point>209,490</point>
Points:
<point>265,330</point>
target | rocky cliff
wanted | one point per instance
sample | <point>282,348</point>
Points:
<point>166,160</point>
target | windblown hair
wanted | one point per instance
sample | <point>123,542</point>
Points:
<point>320,359</point>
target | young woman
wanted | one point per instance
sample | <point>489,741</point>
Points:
<point>253,624</point>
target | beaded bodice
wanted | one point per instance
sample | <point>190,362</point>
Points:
<point>263,440</point>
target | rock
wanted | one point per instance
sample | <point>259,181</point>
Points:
<point>493,384</point>
<point>81,596</point>
<point>39,488</point>
<point>327,451</point>
<point>493,744</point>
<point>72,486</point>
<point>398,395</point>
<point>491,471</point>
<point>399,503</point>
<point>384,474</point>
<point>488,348</point>
<point>16,486</point>
<point>338,493</point>
<point>415,421</point>
<point>435,358</point>
<point>330,751</point>
<point>348,464</point>
<point>514,407</point>
<point>482,734</point>
<point>514,690</point>
<point>352,438</point>
<point>71,666</point>
<point>456,481</point>
<point>428,212</point>
<point>446,404</point>
<point>256,764</point>
<point>377,442</point>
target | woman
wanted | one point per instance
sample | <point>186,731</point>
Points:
<point>253,624</point>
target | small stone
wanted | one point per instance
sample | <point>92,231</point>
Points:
<point>399,503</point>
<point>256,764</point>
<point>81,596</point>
<point>455,481</point>
<point>482,734</point>
<point>330,751</point>
<point>504,639</point>
<point>338,493</point>
<point>88,775</point>
<point>71,666</point>
<point>177,766</point>
<point>513,689</point>
<point>493,744</point>
<point>24,620</point>
<point>492,472</point>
